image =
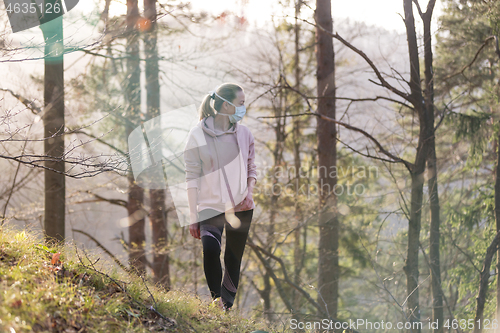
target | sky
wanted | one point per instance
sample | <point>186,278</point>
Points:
<point>384,13</point>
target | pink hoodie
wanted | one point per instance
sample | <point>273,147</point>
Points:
<point>233,150</point>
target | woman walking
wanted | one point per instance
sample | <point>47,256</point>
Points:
<point>220,177</point>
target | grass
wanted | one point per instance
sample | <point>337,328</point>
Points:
<point>64,289</point>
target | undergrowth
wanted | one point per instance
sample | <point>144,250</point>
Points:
<point>66,289</point>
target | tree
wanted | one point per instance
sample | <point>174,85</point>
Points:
<point>432,183</point>
<point>53,117</point>
<point>470,78</point>
<point>298,253</point>
<point>158,213</point>
<point>137,236</point>
<point>328,261</point>
<point>426,130</point>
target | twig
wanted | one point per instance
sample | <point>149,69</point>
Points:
<point>401,306</point>
<point>473,60</point>
<point>92,267</point>
<point>77,131</point>
<point>291,283</point>
<point>285,275</point>
<point>118,202</point>
<point>14,180</point>
<point>145,285</point>
<point>483,284</point>
<point>279,287</point>
<point>465,254</point>
<point>440,287</point>
<point>115,259</point>
<point>29,104</point>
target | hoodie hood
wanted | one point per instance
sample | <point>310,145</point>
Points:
<point>207,124</point>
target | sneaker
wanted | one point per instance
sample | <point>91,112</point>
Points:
<point>227,308</point>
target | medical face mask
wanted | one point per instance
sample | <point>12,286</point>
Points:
<point>238,113</point>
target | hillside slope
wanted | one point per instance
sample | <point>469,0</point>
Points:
<point>65,289</point>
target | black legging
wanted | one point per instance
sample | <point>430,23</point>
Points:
<point>211,233</point>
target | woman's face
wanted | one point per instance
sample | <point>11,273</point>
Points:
<point>238,101</point>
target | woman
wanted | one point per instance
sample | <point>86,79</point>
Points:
<point>220,176</point>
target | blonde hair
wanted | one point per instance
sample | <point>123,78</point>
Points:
<point>226,90</point>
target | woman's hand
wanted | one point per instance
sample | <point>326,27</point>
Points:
<point>246,204</point>
<point>194,229</point>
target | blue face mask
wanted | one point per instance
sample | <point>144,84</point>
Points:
<point>238,113</point>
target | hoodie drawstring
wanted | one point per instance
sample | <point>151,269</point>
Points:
<point>223,171</point>
<point>225,176</point>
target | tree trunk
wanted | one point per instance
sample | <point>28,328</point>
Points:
<point>434,238</point>
<point>158,209</point>
<point>497,209</point>
<point>297,252</point>
<point>53,120</point>
<point>483,284</point>
<point>328,264</point>
<point>135,207</point>
<point>497,218</point>
<point>159,225</point>
<point>417,174</point>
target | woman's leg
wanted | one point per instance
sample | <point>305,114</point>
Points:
<point>211,231</point>
<point>235,246</point>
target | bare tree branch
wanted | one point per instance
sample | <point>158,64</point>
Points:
<point>279,287</point>
<point>440,286</point>
<point>100,140</point>
<point>29,104</point>
<point>473,60</point>
<point>408,165</point>
<point>366,154</point>
<point>291,283</point>
<point>115,259</point>
<point>419,9</point>
<point>118,202</point>
<point>14,181</point>
<point>382,80</point>
<point>375,99</point>
<point>483,284</point>
<point>171,322</point>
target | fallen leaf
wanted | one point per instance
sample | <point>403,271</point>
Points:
<point>17,304</point>
<point>55,258</point>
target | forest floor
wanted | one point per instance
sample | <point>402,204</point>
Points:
<point>66,289</point>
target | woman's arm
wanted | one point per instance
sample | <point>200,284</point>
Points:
<point>194,226</point>
<point>192,193</point>
<point>192,162</point>
<point>251,183</point>
<point>251,177</point>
